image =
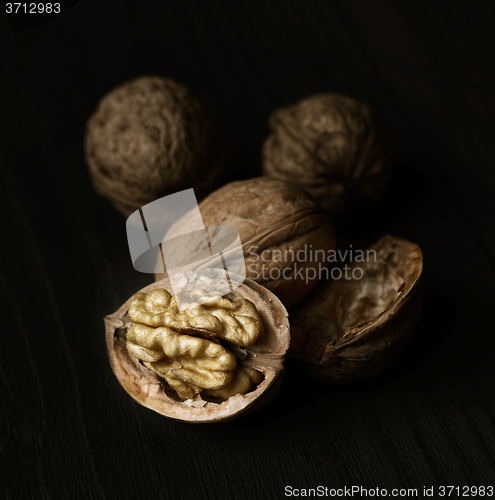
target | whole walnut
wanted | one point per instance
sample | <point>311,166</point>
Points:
<point>285,235</point>
<point>148,138</point>
<point>332,146</point>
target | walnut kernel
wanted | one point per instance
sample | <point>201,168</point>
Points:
<point>189,364</point>
<point>193,374</point>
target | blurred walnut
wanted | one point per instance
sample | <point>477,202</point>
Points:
<point>148,138</point>
<point>333,147</point>
<point>285,235</point>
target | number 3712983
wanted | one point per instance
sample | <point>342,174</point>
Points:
<point>32,8</point>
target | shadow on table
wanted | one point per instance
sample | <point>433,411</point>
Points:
<point>299,391</point>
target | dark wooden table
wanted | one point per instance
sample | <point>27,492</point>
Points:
<point>68,430</point>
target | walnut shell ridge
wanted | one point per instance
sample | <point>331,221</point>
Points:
<point>267,356</point>
<point>275,221</point>
<point>150,137</point>
<point>333,146</point>
<point>352,329</point>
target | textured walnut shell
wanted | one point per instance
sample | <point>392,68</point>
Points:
<point>332,146</point>
<point>353,329</point>
<point>271,215</point>
<point>266,355</point>
<point>148,138</point>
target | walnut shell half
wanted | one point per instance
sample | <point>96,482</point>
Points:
<point>349,329</point>
<point>266,356</point>
<point>285,235</point>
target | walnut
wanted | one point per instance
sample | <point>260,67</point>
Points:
<point>195,374</point>
<point>332,146</point>
<point>148,138</point>
<point>234,320</point>
<point>242,380</point>
<point>285,236</point>
<point>354,327</point>
<point>191,363</point>
<point>239,319</point>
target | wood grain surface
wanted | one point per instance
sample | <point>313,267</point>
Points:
<point>67,429</point>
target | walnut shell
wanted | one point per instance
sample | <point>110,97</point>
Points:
<point>266,356</point>
<point>349,329</point>
<point>148,138</point>
<point>275,220</point>
<point>332,146</point>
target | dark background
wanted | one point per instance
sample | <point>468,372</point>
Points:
<point>68,430</point>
